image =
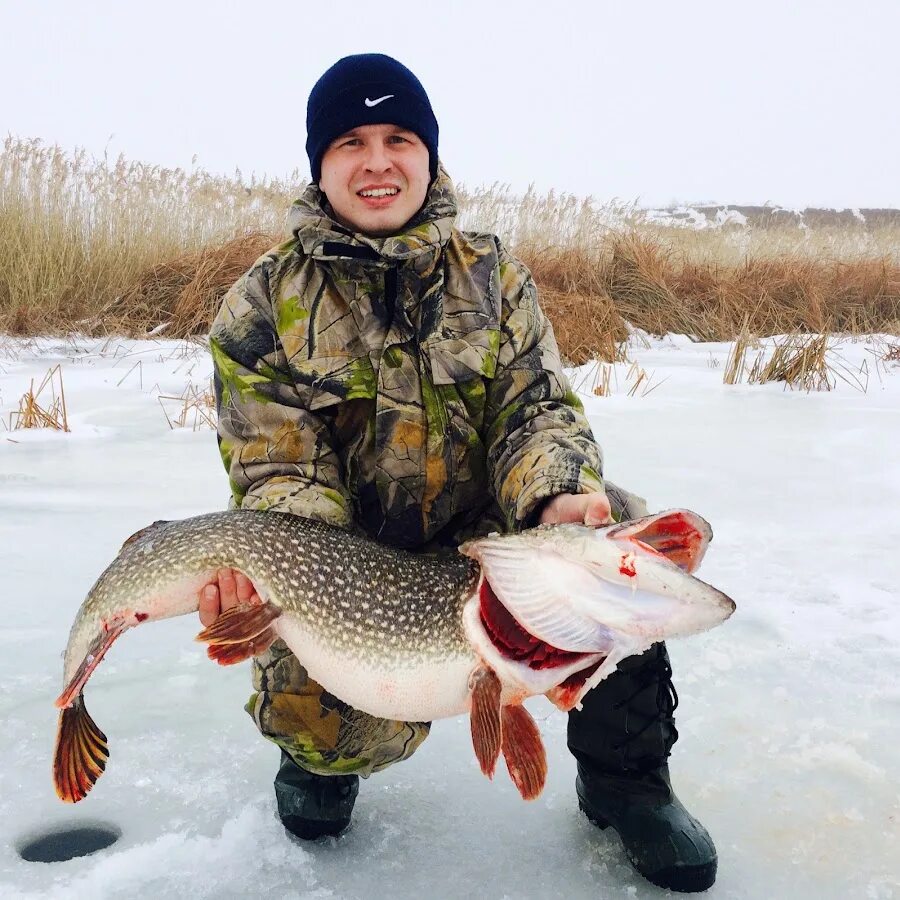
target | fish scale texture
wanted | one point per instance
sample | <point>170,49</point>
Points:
<point>364,596</point>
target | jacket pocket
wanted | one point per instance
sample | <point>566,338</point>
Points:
<point>326,380</point>
<point>455,359</point>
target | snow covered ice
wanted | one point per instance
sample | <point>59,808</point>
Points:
<point>789,715</point>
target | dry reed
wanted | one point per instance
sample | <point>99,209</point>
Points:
<point>195,408</point>
<point>798,360</point>
<point>602,382</point>
<point>891,353</point>
<point>183,294</point>
<point>122,247</point>
<point>32,414</point>
<point>735,364</point>
<point>78,235</point>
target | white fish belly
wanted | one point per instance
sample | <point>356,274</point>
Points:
<point>410,691</point>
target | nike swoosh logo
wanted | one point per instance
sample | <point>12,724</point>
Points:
<point>379,100</point>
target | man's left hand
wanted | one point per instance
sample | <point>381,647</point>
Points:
<point>588,509</point>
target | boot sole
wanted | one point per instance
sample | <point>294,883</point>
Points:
<point>689,880</point>
<point>313,829</point>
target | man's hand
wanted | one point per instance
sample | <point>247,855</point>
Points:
<point>229,588</point>
<point>589,509</point>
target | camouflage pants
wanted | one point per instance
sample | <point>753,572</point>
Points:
<point>321,733</point>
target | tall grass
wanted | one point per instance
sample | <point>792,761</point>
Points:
<point>119,246</point>
<point>84,240</point>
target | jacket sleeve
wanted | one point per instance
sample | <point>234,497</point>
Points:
<point>538,440</point>
<point>276,452</point>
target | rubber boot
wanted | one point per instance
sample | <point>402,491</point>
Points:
<point>311,806</point>
<point>622,738</point>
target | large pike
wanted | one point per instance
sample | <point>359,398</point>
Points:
<point>415,637</point>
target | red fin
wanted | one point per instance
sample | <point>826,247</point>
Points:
<point>96,652</point>
<point>485,719</point>
<point>80,755</point>
<point>240,624</point>
<point>523,750</point>
<point>230,654</point>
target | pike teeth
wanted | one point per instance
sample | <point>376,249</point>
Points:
<point>380,192</point>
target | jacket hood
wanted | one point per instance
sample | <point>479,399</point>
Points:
<point>311,220</point>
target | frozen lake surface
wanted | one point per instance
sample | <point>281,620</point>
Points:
<point>789,715</point>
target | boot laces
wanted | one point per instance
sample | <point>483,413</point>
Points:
<point>659,670</point>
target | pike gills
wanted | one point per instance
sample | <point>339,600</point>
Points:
<point>407,636</point>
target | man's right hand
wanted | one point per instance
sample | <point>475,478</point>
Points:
<point>229,588</point>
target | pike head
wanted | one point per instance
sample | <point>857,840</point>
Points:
<point>561,605</point>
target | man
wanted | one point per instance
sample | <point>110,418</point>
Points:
<point>386,372</point>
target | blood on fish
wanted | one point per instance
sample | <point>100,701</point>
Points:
<point>674,537</point>
<point>512,640</point>
<point>142,617</point>
<point>626,567</point>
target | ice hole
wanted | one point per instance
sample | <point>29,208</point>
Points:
<point>67,843</point>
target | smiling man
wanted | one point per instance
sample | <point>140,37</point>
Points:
<point>385,371</point>
<point>375,178</point>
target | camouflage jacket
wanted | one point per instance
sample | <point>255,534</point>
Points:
<point>408,385</point>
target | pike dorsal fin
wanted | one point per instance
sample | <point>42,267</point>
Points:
<point>144,531</point>
<point>485,719</point>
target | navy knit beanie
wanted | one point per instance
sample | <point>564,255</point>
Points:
<point>367,89</point>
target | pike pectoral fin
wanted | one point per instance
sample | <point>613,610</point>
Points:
<point>240,624</point>
<point>523,751</point>
<point>80,755</point>
<point>485,720</point>
<point>230,654</point>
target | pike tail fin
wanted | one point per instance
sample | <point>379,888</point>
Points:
<point>80,755</point>
<point>485,720</point>
<point>523,750</point>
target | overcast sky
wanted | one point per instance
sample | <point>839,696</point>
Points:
<point>793,103</point>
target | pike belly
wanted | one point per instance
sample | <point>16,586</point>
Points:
<point>416,687</point>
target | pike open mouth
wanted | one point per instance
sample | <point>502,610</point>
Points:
<point>512,641</point>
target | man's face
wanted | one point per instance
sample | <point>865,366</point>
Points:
<point>374,158</point>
